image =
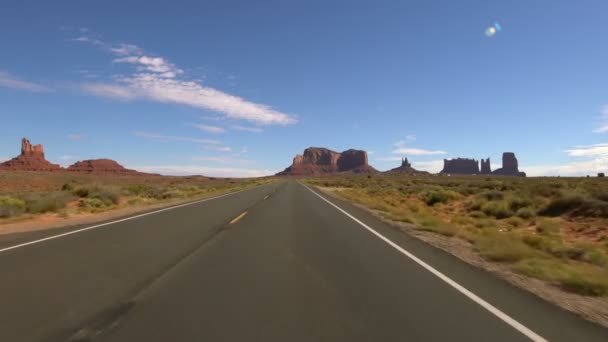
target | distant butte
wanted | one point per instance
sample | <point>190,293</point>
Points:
<point>462,166</point>
<point>100,166</point>
<point>406,168</point>
<point>30,159</point>
<point>319,161</point>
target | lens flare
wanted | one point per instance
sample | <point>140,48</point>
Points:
<point>493,30</point>
<point>490,31</point>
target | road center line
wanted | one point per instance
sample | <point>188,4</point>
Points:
<point>236,219</point>
<point>492,309</point>
<point>122,220</point>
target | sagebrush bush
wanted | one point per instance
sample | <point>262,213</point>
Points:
<point>499,210</point>
<point>10,206</point>
<point>439,196</point>
<point>46,202</point>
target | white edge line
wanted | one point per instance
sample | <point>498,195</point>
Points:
<point>492,309</point>
<point>122,220</point>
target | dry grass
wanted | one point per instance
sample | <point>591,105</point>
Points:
<point>554,229</point>
<point>24,195</point>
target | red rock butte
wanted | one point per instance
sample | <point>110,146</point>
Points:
<point>30,159</point>
<point>103,166</point>
<point>319,161</point>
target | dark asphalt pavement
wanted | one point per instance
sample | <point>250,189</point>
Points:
<point>293,268</point>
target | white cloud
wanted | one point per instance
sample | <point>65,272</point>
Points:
<point>156,65</point>
<point>579,168</point>
<point>126,49</point>
<point>410,137</point>
<point>588,151</point>
<point>416,151</point>
<point>387,159</point>
<point>167,138</point>
<point>183,170</point>
<point>75,136</point>
<point>109,90</point>
<point>218,148</point>
<point>223,160</point>
<point>433,166</point>
<point>210,129</point>
<point>9,81</point>
<point>603,128</point>
<point>157,79</point>
<point>247,129</point>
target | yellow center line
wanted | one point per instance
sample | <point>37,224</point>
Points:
<point>236,219</point>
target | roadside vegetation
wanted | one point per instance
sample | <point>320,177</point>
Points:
<point>24,195</point>
<point>554,229</point>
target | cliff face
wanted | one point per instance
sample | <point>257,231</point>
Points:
<point>510,166</point>
<point>485,167</point>
<point>460,166</point>
<point>317,160</point>
<point>30,159</point>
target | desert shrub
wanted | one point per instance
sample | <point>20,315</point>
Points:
<point>67,187</point>
<point>587,285</point>
<point>499,210</point>
<point>82,192</point>
<point>492,195</point>
<point>137,189</point>
<point>91,203</point>
<point>46,202</point>
<point>502,247</point>
<point>439,196</point>
<point>525,213</point>
<point>515,221</point>
<point>562,205</point>
<point>519,202</point>
<point>477,214</point>
<point>10,206</point>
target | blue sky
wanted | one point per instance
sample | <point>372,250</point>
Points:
<point>237,88</point>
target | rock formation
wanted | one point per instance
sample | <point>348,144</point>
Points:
<point>485,167</point>
<point>510,166</point>
<point>460,166</point>
<point>30,159</point>
<point>100,166</point>
<point>317,161</point>
<point>405,167</point>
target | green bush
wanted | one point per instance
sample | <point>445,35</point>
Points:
<point>46,202</point>
<point>107,195</point>
<point>492,195</point>
<point>440,196</point>
<point>525,213</point>
<point>10,206</point>
<point>562,205</point>
<point>499,210</point>
<point>67,187</point>
<point>502,247</point>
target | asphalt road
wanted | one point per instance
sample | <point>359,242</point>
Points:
<point>293,268</point>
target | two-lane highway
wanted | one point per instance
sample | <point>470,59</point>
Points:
<point>274,263</point>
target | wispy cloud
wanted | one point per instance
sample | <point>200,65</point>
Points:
<point>210,129</point>
<point>167,138</point>
<point>218,148</point>
<point>247,129</point>
<point>603,128</point>
<point>157,79</point>
<point>579,168</point>
<point>588,151</point>
<point>416,151</point>
<point>75,136</point>
<point>387,159</point>
<point>9,81</point>
<point>183,170</point>
<point>223,160</point>
<point>109,90</point>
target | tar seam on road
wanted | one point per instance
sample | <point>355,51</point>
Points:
<point>121,220</point>
<point>492,309</point>
<point>236,219</point>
